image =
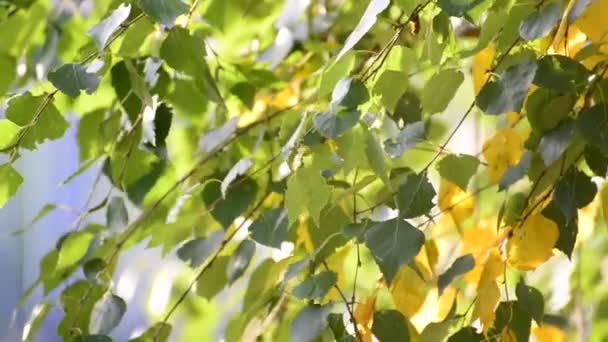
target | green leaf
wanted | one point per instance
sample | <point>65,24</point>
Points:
<point>574,191</point>
<point>515,172</point>
<point>117,217</point>
<point>375,156</point>
<point>408,108</point>
<point>11,181</point>
<point>336,324</point>
<point>163,11</point>
<point>368,19</point>
<point>73,248</point>
<point>77,301</point>
<point>50,123</point>
<point>8,66</point>
<point>198,250</point>
<point>245,92</point>
<point>409,137</point>
<point>271,228</point>
<point>123,86</point>
<point>332,125</point>
<point>592,123</point>
<point>135,36</point>
<point>92,338</point>
<point>335,72</point>
<point>415,197</point>
<point>457,8</point>
<point>70,79</point>
<point>507,93</point>
<point>562,74</point>
<point>226,209</point>
<point>159,332</point>
<point>309,323</point>
<point>315,287</point>
<point>307,191</point>
<point>239,260</point>
<point>440,89</point>
<point>92,268</point>
<point>162,124</point>
<point>105,28</point>
<point>545,109</point>
<point>539,23</point>
<point>393,244</point>
<point>512,315</point>
<point>186,53</point>
<point>214,279</point>
<point>8,133</point>
<point>467,334</point>
<point>531,300</point>
<point>460,266</point>
<point>554,143</point>
<point>458,169</point>
<point>389,325</point>
<point>39,313</point>
<point>107,314</point>
<point>46,209</point>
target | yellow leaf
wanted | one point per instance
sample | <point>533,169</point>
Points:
<point>488,292</point>
<point>548,333</point>
<point>532,243</point>
<point>593,21</point>
<point>364,315</point>
<point>586,219</point>
<point>501,151</point>
<point>482,62</point>
<point>408,291</point>
<point>478,241</point>
<point>576,40</point>
<point>453,200</point>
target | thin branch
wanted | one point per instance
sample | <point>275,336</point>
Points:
<point>350,311</point>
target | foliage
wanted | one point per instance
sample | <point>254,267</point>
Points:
<point>326,132</point>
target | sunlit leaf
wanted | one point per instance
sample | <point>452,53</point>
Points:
<point>440,89</point>
<point>532,243</point>
<point>487,290</point>
<point>458,169</point>
<point>307,191</point>
<point>73,248</point>
<point>366,22</point>
<point>11,182</point>
<point>105,28</point>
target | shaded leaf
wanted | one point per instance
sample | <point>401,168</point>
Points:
<point>116,216</point>
<point>457,8</point>
<point>554,143</point>
<point>592,124</point>
<point>390,325</point>
<point>214,279</point>
<point>317,286</point>
<point>415,197</point>
<point>349,93</point>
<point>596,160</point>
<point>226,209</point>
<point>239,169</point>
<point>568,230</point>
<point>163,11</point>
<point>411,135</point>
<point>562,74</point>
<point>105,28</point>
<point>574,191</point>
<point>467,334</point>
<point>159,331</point>
<point>271,228</point>
<point>531,301</point>
<point>460,266</point>
<point>507,93</point>
<point>216,137</point>
<point>198,250</point>
<point>107,314</point>
<point>539,23</point>
<point>393,244</point>
<point>309,323</point>
<point>70,79</point>
<point>408,108</point>
<point>515,172</point>
<point>239,260</point>
<point>332,125</point>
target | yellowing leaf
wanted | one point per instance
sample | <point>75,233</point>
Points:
<point>532,243</point>
<point>303,237</point>
<point>435,308</point>
<point>453,200</point>
<point>488,292</point>
<point>507,335</point>
<point>408,291</point>
<point>501,151</point>
<point>548,333</point>
<point>364,315</point>
<point>336,264</point>
<point>576,40</point>
<point>604,200</point>
<point>586,219</point>
<point>482,62</point>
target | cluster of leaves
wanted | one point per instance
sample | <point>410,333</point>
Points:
<point>234,144</point>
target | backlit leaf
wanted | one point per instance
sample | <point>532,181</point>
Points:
<point>308,192</point>
<point>487,290</point>
<point>73,248</point>
<point>440,89</point>
<point>11,182</point>
<point>532,243</point>
<point>458,169</point>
